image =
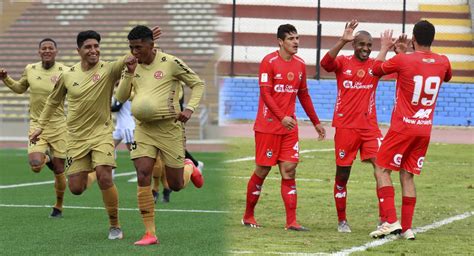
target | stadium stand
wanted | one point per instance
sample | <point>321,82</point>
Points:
<point>188,32</point>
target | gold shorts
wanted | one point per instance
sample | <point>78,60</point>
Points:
<point>87,156</point>
<point>164,137</point>
<point>55,143</point>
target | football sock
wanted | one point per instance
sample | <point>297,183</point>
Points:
<point>190,157</point>
<point>387,201</point>
<point>408,209</point>
<point>382,217</point>
<point>340,195</point>
<point>158,172</point>
<point>188,170</point>
<point>290,198</point>
<point>91,177</point>
<point>147,208</point>
<point>110,198</point>
<point>164,181</point>
<point>60,187</point>
<point>254,188</point>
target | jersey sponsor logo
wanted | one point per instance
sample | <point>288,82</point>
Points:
<point>264,78</point>
<point>278,77</point>
<point>423,113</point>
<point>357,85</point>
<point>95,78</point>
<point>269,153</point>
<point>285,88</point>
<point>420,162</point>
<point>342,153</point>
<point>428,60</point>
<point>360,73</point>
<point>416,121</point>
<point>54,79</point>
<point>397,159</point>
<point>158,75</point>
<point>347,72</point>
<point>290,76</point>
<point>340,195</point>
<point>182,66</point>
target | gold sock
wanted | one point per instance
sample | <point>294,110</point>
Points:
<point>147,208</point>
<point>188,170</point>
<point>164,181</point>
<point>91,177</point>
<point>110,198</point>
<point>59,186</point>
<point>158,173</point>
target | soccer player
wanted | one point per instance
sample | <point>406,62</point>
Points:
<point>282,78</point>
<point>355,117</point>
<point>420,75</point>
<point>88,86</point>
<point>156,85</point>
<point>40,77</point>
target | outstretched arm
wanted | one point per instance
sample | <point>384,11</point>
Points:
<point>329,60</point>
<point>19,86</point>
<point>124,88</point>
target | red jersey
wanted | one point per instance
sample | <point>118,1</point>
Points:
<point>285,80</point>
<point>356,85</point>
<point>420,75</point>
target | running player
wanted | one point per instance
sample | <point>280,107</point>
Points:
<point>156,86</point>
<point>355,117</point>
<point>420,75</point>
<point>282,78</point>
<point>40,77</point>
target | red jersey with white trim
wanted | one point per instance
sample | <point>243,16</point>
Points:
<point>286,78</point>
<point>420,75</point>
<point>356,85</point>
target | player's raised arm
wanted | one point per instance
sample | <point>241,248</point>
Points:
<point>386,43</point>
<point>19,86</point>
<point>124,88</point>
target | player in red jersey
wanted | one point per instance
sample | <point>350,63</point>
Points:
<point>355,117</point>
<point>282,78</point>
<point>420,75</point>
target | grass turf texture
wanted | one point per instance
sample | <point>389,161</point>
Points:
<point>29,231</point>
<point>444,190</point>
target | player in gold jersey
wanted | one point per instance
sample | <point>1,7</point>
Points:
<point>50,150</point>
<point>88,86</point>
<point>156,84</point>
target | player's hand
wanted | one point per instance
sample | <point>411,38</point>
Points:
<point>321,131</point>
<point>184,115</point>
<point>386,40</point>
<point>34,137</point>
<point>131,63</point>
<point>288,122</point>
<point>156,33</point>
<point>3,74</point>
<point>349,31</point>
<point>401,45</point>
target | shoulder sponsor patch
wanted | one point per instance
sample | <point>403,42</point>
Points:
<point>264,78</point>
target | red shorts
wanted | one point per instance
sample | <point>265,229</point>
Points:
<point>400,151</point>
<point>273,148</point>
<point>347,141</point>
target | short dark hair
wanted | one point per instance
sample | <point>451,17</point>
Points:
<point>285,29</point>
<point>424,33</point>
<point>88,34</point>
<point>140,32</point>
<point>47,40</point>
<point>363,32</point>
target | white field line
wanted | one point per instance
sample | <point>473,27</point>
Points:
<point>371,244</point>
<point>102,208</point>
<point>251,158</point>
<point>52,181</point>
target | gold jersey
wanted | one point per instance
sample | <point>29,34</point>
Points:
<point>157,88</point>
<point>41,82</point>
<point>89,96</point>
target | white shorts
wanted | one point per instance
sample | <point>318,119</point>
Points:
<point>125,135</point>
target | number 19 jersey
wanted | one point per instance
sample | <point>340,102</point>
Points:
<point>420,76</point>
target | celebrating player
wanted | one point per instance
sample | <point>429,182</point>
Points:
<point>420,75</point>
<point>282,78</point>
<point>355,117</point>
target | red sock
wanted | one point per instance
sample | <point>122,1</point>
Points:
<point>340,195</point>
<point>382,218</point>
<point>387,201</point>
<point>290,198</point>
<point>408,209</point>
<point>254,188</point>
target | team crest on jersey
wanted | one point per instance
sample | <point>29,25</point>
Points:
<point>54,79</point>
<point>158,75</point>
<point>397,159</point>
<point>269,153</point>
<point>360,73</point>
<point>95,78</point>
<point>290,76</point>
<point>342,153</point>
